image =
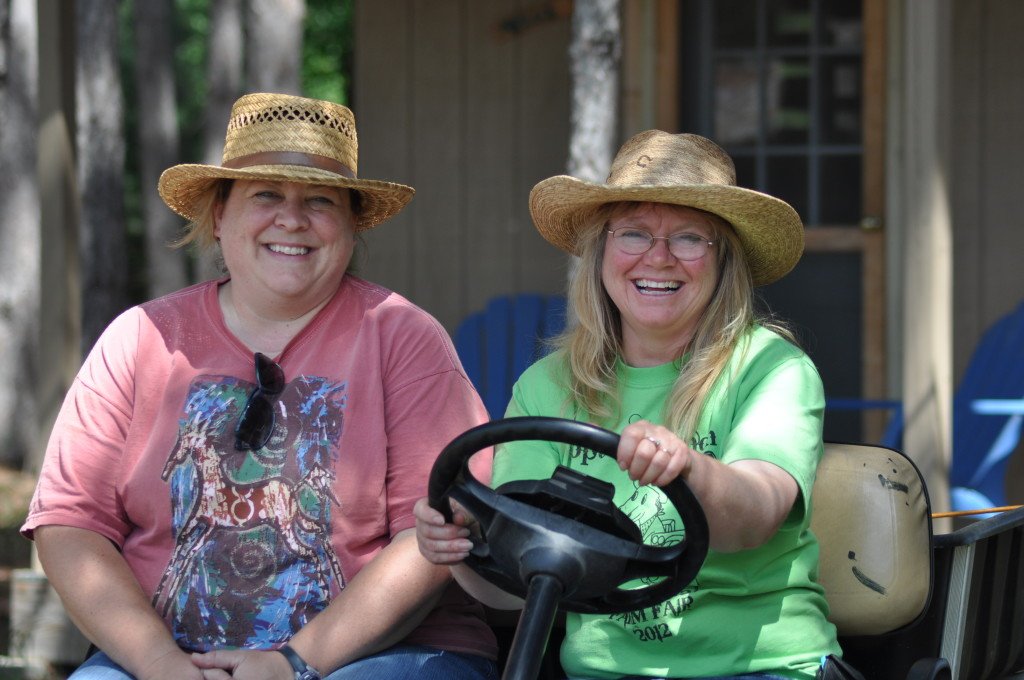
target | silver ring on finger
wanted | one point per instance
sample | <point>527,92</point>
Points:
<point>656,442</point>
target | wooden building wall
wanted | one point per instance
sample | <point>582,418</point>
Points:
<point>987,184</point>
<point>472,115</point>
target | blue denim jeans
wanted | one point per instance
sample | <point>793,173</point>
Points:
<point>403,662</point>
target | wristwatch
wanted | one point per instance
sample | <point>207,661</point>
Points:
<point>303,671</point>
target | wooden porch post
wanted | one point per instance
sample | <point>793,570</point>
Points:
<point>920,203</point>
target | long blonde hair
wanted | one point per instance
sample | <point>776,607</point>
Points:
<point>592,343</point>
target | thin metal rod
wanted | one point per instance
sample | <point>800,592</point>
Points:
<point>979,511</point>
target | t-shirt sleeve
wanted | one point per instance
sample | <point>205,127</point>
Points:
<point>779,420</point>
<point>428,401</point>
<point>78,482</point>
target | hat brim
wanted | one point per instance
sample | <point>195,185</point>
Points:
<point>181,186</point>
<point>769,229</point>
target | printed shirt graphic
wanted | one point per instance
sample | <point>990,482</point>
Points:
<point>749,611</point>
<point>253,548</point>
<point>241,548</point>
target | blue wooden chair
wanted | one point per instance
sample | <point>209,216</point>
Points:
<point>892,438</point>
<point>498,343</point>
<point>987,416</point>
<point>983,441</point>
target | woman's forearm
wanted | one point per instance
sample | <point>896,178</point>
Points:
<point>379,607</point>
<point>745,502</point>
<point>103,598</point>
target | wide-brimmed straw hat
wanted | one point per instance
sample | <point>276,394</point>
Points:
<point>681,169</point>
<point>282,137</point>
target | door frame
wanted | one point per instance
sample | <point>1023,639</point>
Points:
<point>651,93</point>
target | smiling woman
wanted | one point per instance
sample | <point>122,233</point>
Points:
<point>287,246</point>
<point>668,351</point>
<point>660,295</point>
<point>233,472</point>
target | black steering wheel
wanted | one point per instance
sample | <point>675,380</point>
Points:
<point>562,541</point>
<point>566,525</point>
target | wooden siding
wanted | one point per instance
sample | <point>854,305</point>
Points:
<point>987,184</point>
<point>472,116</point>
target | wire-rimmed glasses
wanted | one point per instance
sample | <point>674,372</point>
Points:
<point>684,245</point>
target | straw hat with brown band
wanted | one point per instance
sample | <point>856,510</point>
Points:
<point>681,169</point>
<point>282,137</point>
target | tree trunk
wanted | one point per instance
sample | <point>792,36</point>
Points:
<point>274,45</point>
<point>157,146</point>
<point>20,229</point>
<point>594,56</point>
<point>223,74</point>
<point>100,167</point>
<point>224,86</point>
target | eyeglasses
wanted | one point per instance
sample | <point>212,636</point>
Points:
<point>684,246</point>
<point>256,423</point>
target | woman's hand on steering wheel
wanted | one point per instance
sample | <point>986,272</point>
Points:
<point>441,542</point>
<point>653,454</point>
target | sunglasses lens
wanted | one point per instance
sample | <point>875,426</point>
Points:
<point>256,424</point>
<point>269,376</point>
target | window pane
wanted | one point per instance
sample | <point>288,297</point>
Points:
<point>735,24</point>
<point>787,179</point>
<point>840,100</point>
<point>840,187</point>
<point>789,23</point>
<point>788,101</point>
<point>821,297</point>
<point>736,101</point>
<point>746,169</point>
<point>841,24</point>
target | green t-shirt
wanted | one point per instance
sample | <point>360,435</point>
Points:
<point>758,610</point>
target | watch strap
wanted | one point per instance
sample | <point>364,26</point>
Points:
<point>303,671</point>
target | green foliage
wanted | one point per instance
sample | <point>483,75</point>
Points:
<point>327,50</point>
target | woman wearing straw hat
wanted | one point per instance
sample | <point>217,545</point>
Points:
<point>234,468</point>
<point>667,350</point>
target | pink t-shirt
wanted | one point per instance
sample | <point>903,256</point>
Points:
<point>242,548</point>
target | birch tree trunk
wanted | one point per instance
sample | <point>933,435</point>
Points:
<point>100,142</point>
<point>595,52</point>
<point>157,106</point>
<point>20,228</point>
<point>274,45</point>
<point>594,56</point>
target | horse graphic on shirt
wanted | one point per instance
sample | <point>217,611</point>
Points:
<point>253,559</point>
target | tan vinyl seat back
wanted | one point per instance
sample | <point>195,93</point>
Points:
<point>871,515</point>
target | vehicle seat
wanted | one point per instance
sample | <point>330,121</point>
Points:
<point>872,517</point>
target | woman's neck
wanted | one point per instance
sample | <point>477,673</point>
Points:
<point>261,327</point>
<point>643,352</point>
